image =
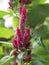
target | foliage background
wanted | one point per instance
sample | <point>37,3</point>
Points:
<point>37,19</point>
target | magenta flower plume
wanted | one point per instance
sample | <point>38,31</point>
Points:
<point>22,20</point>
<point>21,39</point>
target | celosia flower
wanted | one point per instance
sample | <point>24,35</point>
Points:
<point>21,38</point>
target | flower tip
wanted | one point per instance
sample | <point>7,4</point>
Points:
<point>15,53</point>
<point>27,59</point>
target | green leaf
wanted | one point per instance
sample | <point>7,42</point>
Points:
<point>37,57</point>
<point>1,50</point>
<point>15,21</point>
<point>36,63</point>
<point>42,53</point>
<point>43,32</point>
<point>37,14</point>
<point>39,1</point>
<point>3,59</point>
<point>6,60</point>
<point>20,56</point>
<point>2,13</point>
<point>1,22</point>
<point>6,33</point>
<point>6,44</point>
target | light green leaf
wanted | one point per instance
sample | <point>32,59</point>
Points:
<point>6,33</point>
<point>3,13</point>
<point>1,50</point>
<point>15,21</point>
<point>6,44</point>
<point>39,1</point>
<point>1,22</point>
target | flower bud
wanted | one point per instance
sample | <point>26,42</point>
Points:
<point>29,52</point>
<point>27,59</point>
<point>27,45</point>
<point>15,53</point>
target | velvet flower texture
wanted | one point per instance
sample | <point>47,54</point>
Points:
<point>21,39</point>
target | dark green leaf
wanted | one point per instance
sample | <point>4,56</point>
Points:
<point>36,57</point>
<point>36,63</point>
<point>37,14</point>
<point>43,32</point>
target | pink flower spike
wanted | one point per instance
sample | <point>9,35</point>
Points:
<point>18,33</point>
<point>14,43</point>
<point>24,10</point>
<point>26,34</point>
<point>22,20</point>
